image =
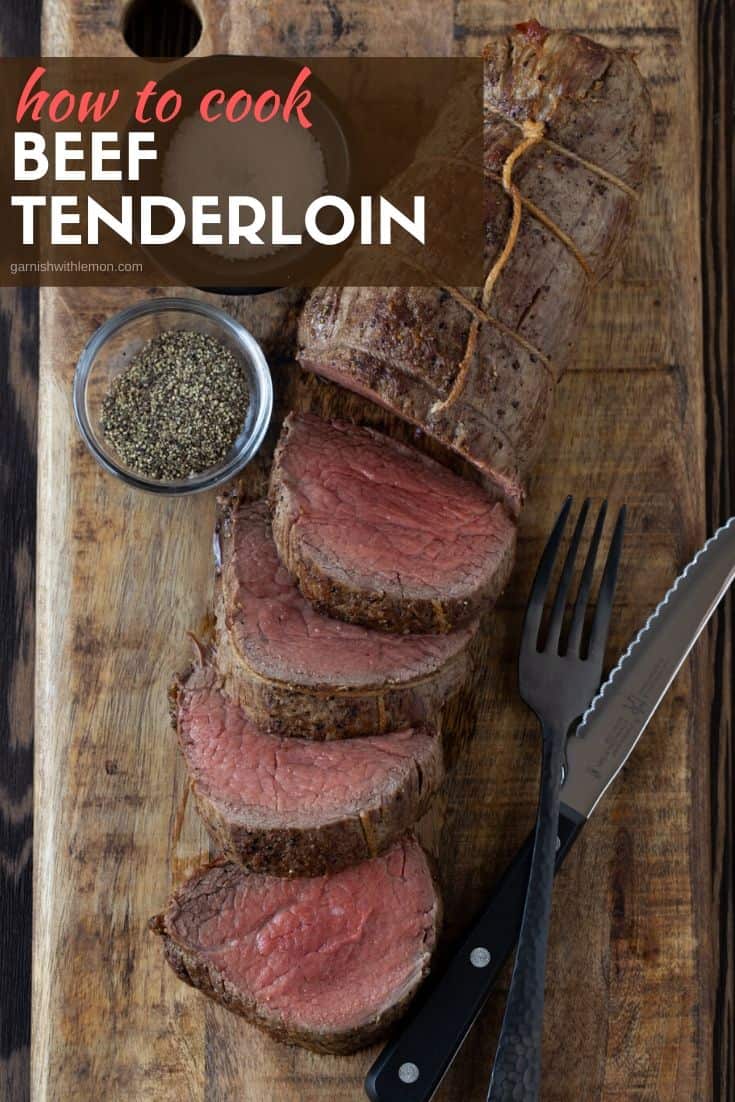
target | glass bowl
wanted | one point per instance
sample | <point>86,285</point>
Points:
<point>111,349</point>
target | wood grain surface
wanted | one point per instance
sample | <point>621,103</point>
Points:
<point>18,385</point>
<point>19,36</point>
<point>717,106</point>
<point>635,1008</point>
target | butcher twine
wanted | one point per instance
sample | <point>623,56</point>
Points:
<point>536,212</point>
<point>595,169</point>
<point>533,133</point>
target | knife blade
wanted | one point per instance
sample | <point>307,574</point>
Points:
<point>411,1067</point>
<point>619,714</point>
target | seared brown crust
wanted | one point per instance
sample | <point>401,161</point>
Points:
<point>360,602</point>
<point>315,851</point>
<point>195,970</point>
<point>310,850</point>
<point>284,708</point>
<point>403,347</point>
<point>320,712</point>
<point>376,608</point>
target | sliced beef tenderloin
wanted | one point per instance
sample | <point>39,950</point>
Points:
<point>477,371</point>
<point>295,807</point>
<point>324,962</point>
<point>297,672</point>
<point>378,534</point>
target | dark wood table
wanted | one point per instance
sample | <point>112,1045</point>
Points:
<point>20,35</point>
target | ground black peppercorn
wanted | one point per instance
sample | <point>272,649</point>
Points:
<point>178,408</point>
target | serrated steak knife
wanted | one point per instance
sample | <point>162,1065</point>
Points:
<point>411,1067</point>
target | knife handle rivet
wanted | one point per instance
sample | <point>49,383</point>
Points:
<point>408,1073</point>
<point>480,957</point>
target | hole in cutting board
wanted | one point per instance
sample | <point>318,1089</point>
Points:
<point>161,28</point>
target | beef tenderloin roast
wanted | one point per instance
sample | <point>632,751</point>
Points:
<point>487,391</point>
<point>329,960</point>
<point>325,962</point>
<point>295,807</point>
<point>297,672</point>
<point>378,534</point>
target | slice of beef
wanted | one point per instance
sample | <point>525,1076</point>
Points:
<point>324,962</point>
<point>487,391</point>
<point>294,807</point>
<point>378,534</point>
<point>297,672</point>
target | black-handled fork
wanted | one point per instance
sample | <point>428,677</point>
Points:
<point>557,681</point>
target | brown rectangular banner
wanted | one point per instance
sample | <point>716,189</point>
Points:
<point>242,172</point>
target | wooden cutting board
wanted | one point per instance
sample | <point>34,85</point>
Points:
<point>121,576</point>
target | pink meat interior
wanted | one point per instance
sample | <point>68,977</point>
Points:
<point>279,631</point>
<point>239,766</point>
<point>388,516</point>
<point>324,954</point>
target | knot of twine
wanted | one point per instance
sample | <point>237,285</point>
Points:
<point>533,133</point>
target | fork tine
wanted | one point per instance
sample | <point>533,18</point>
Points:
<point>560,600</point>
<point>603,612</point>
<point>585,584</point>
<point>535,606</point>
